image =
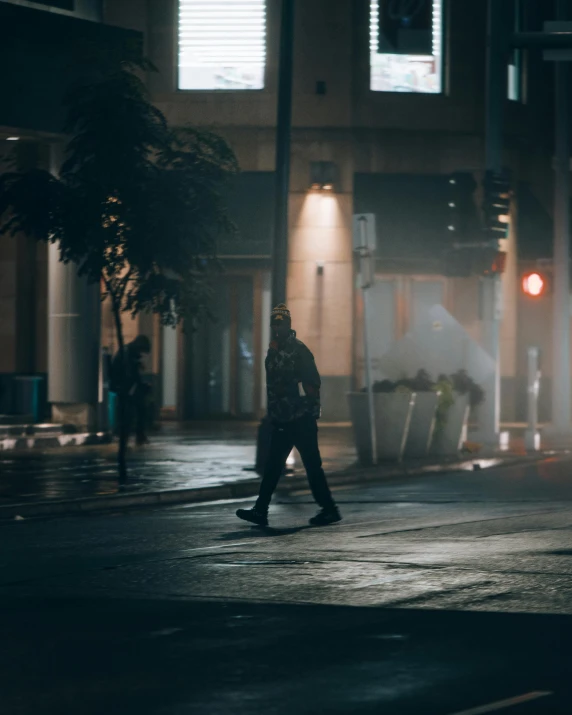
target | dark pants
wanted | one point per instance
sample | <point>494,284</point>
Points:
<point>302,434</point>
<point>136,415</point>
<point>139,415</point>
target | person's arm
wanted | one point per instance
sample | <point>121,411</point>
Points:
<point>310,377</point>
<point>138,370</point>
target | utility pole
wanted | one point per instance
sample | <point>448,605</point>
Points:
<point>561,315</point>
<point>364,239</point>
<point>282,192</point>
<point>283,132</point>
<point>496,92</point>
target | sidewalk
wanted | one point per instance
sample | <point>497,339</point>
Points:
<point>184,463</point>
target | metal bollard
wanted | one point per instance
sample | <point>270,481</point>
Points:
<point>532,436</point>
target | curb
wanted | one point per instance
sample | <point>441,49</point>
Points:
<point>235,490</point>
<point>70,507</point>
<point>41,441</point>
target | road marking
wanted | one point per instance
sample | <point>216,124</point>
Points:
<point>508,703</point>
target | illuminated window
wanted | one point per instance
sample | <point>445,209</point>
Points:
<point>222,44</point>
<point>406,46</point>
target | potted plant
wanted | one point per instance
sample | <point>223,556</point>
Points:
<point>424,415</point>
<point>393,405</point>
<point>459,394</point>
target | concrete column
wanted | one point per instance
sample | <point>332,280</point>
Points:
<point>73,344</point>
<point>74,331</point>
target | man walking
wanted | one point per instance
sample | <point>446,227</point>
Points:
<point>293,389</point>
<point>127,375</point>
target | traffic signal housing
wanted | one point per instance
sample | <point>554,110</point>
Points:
<point>497,194</point>
<point>489,262</point>
<point>461,216</point>
<point>470,253</point>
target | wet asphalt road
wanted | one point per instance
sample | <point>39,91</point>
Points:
<point>436,595</point>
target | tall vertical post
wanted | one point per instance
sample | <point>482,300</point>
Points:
<point>531,436</point>
<point>73,338</point>
<point>283,132</point>
<point>282,191</point>
<point>561,318</point>
<point>367,272</point>
<point>496,90</point>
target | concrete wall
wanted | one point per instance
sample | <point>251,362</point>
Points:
<point>361,131</point>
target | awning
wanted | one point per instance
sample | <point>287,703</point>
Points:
<point>38,51</point>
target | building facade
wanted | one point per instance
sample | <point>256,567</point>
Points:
<point>49,329</point>
<point>388,109</point>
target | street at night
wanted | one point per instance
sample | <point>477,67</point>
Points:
<point>285,357</point>
<point>436,595</point>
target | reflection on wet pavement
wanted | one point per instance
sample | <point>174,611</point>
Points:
<point>175,459</point>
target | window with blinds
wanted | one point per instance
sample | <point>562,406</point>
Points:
<point>222,44</point>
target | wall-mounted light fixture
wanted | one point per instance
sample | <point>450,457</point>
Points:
<point>323,175</point>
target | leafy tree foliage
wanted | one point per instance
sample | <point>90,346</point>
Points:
<point>136,204</point>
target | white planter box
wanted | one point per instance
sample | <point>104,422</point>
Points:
<point>392,418</point>
<point>422,425</point>
<point>449,440</point>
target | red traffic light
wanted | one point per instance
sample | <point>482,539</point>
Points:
<point>534,284</point>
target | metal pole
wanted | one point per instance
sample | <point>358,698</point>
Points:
<point>368,383</point>
<point>282,190</point>
<point>561,316</point>
<point>531,440</point>
<point>283,132</point>
<point>367,276</point>
<point>543,40</point>
<point>496,86</point>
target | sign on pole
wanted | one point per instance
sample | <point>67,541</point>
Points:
<point>364,232</point>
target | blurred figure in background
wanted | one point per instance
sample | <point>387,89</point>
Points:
<point>127,375</point>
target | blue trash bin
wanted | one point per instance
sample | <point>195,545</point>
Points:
<point>28,396</point>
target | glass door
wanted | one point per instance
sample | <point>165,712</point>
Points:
<point>222,360</point>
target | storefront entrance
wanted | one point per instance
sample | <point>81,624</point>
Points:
<point>222,361</point>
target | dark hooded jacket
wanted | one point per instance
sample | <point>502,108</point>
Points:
<point>292,381</point>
